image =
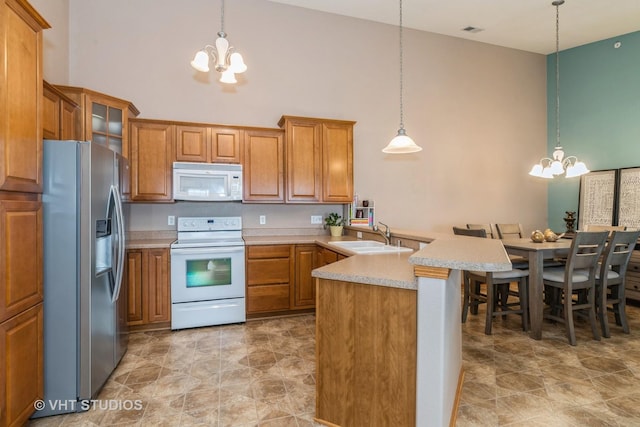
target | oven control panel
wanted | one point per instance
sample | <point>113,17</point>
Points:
<point>210,223</point>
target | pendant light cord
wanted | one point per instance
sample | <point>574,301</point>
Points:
<point>222,16</point>
<point>557,4</point>
<point>401,85</point>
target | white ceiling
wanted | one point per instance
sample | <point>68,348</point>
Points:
<point>520,24</point>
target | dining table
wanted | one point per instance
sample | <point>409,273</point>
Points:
<point>536,253</point>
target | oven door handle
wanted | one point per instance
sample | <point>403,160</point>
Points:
<point>207,250</point>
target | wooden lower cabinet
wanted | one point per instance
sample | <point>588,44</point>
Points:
<point>147,272</point>
<point>269,270</point>
<point>304,289</point>
<point>21,361</point>
<point>279,277</point>
<point>327,256</point>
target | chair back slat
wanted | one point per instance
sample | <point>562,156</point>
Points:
<point>509,231</point>
<point>618,252</point>
<point>488,228</point>
<point>467,232</point>
<point>586,248</point>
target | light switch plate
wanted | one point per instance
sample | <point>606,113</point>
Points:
<point>316,219</point>
<point>263,219</point>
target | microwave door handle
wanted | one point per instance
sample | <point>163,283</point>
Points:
<point>207,250</point>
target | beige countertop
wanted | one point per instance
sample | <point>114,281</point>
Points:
<point>149,239</point>
<point>391,270</point>
<point>148,243</point>
<point>397,270</point>
<point>394,270</point>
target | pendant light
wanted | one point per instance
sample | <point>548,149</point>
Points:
<point>402,143</point>
<point>226,60</point>
<point>558,164</point>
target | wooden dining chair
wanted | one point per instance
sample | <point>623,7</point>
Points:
<point>478,232</point>
<point>488,228</point>
<point>609,228</point>
<point>509,231</point>
<point>610,279</point>
<point>497,290</point>
<point>572,288</point>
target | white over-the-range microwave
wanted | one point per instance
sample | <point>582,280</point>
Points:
<point>207,182</point>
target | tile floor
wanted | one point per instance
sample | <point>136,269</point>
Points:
<point>262,374</point>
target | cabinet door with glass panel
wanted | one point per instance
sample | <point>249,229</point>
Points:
<point>104,118</point>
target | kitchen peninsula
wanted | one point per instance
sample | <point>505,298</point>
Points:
<point>388,337</point>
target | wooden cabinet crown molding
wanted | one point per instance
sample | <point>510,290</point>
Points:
<point>28,13</point>
<point>75,93</point>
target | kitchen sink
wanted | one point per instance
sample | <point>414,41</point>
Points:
<point>369,247</point>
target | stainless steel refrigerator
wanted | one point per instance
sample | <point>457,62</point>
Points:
<point>85,333</point>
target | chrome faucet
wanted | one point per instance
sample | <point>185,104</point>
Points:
<point>386,234</point>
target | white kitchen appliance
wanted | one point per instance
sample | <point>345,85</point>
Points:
<point>207,272</point>
<point>207,182</point>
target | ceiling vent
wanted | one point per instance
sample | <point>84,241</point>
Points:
<point>471,29</point>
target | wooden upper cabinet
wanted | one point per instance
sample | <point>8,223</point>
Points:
<point>304,161</point>
<point>59,115</point>
<point>104,119</point>
<point>225,145</point>
<point>209,144</point>
<point>151,162</point>
<point>337,162</point>
<point>319,160</point>
<point>20,96</point>
<point>192,143</point>
<point>263,171</point>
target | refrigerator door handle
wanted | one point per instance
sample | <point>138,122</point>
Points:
<point>115,193</point>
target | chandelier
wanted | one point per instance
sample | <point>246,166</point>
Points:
<point>401,143</point>
<point>558,164</point>
<point>226,60</point>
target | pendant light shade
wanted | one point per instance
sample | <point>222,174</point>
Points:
<point>558,164</point>
<point>401,143</point>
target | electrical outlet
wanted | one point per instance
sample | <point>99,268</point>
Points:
<point>316,219</point>
<point>359,234</point>
<point>263,219</point>
<point>171,220</point>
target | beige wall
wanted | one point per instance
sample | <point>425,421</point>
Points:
<point>56,39</point>
<point>479,111</point>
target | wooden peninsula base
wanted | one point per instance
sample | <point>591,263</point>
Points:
<point>366,354</point>
<point>388,335</point>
